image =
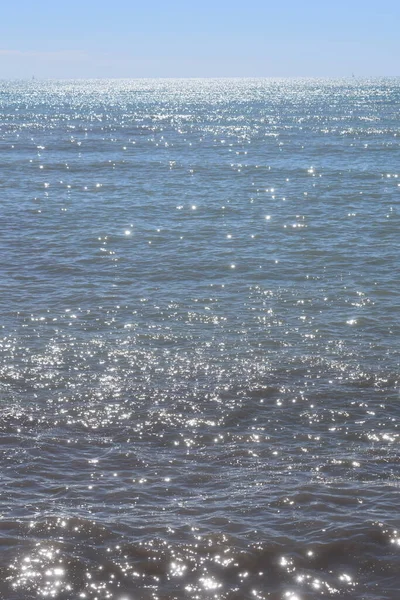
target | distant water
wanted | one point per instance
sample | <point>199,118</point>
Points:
<point>200,339</point>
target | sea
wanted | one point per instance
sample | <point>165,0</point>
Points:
<point>200,339</point>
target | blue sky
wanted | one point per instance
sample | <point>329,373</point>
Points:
<point>253,38</point>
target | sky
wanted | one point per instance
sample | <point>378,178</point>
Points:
<point>212,38</point>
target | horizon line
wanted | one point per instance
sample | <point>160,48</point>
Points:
<point>34,78</point>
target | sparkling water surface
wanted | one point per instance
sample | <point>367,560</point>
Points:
<point>199,339</point>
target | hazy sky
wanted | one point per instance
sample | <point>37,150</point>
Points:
<point>212,38</point>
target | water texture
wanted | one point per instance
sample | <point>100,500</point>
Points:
<point>199,339</point>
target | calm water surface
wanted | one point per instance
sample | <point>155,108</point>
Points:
<point>199,339</point>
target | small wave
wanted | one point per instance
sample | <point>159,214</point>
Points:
<point>67,558</point>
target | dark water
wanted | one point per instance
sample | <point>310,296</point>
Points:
<point>199,377</point>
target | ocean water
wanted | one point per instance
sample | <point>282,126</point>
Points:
<point>199,339</point>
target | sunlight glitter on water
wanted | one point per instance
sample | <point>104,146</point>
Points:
<point>200,361</point>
